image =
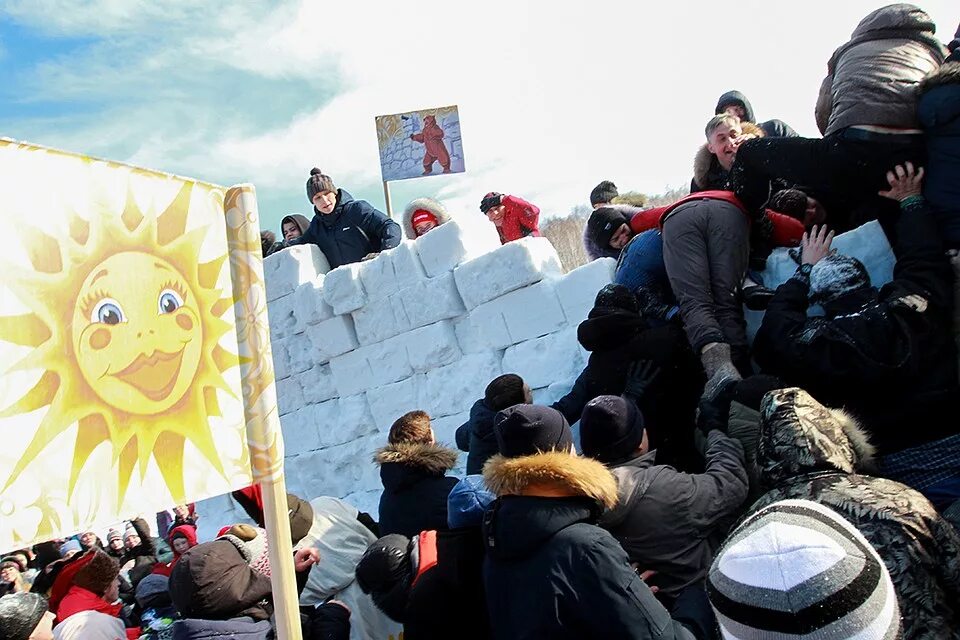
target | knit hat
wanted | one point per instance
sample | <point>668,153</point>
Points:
<point>130,532</point>
<point>11,563</point>
<point>301,517</point>
<point>603,193</point>
<point>20,613</point>
<point>490,201</point>
<point>318,183</point>
<point>617,296</point>
<point>253,545</point>
<point>603,223</point>
<point>526,429</point>
<point>797,569</point>
<point>467,502</point>
<point>68,546</point>
<point>835,276</point>
<point>504,391</point>
<point>114,535</point>
<point>150,587</point>
<point>97,574</point>
<point>611,429</point>
<point>422,215</point>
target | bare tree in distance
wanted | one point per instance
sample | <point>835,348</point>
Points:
<point>566,233</point>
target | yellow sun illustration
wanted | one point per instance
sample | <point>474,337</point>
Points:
<point>124,322</point>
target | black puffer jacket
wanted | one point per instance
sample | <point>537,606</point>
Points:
<point>890,361</point>
<point>351,231</point>
<point>616,338</point>
<point>873,78</point>
<point>415,489</point>
<point>476,436</point>
<point>809,452</point>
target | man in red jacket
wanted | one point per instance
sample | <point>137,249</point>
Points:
<point>514,217</point>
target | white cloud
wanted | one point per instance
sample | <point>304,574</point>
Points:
<point>552,98</point>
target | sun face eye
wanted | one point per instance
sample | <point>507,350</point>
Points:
<point>169,301</point>
<point>107,311</point>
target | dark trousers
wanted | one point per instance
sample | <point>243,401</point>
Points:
<point>844,171</point>
<point>706,249</point>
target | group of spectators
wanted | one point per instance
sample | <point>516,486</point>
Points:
<point>806,485</point>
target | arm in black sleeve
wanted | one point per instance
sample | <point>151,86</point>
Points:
<point>146,546</point>
<point>572,404</point>
<point>376,224</point>
<point>786,315</point>
<point>367,520</point>
<point>922,265</point>
<point>463,436</point>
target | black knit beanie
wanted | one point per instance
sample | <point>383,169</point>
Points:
<point>504,391</point>
<point>318,183</point>
<point>20,613</point>
<point>617,296</point>
<point>603,223</point>
<point>603,193</point>
<point>611,429</point>
<point>527,429</point>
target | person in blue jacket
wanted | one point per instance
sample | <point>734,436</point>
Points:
<point>346,230</point>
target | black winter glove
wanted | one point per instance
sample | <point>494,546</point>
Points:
<point>640,376</point>
<point>715,413</point>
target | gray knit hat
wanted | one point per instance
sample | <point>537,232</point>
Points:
<point>797,569</point>
<point>318,183</point>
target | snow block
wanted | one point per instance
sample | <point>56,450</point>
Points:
<point>343,420</point>
<point>281,359</point>
<point>332,337</point>
<point>445,430</point>
<point>451,244</point>
<point>406,264</point>
<point>308,305</point>
<point>343,289</point>
<point>289,395</point>
<point>351,373</point>
<point>316,384</point>
<point>548,395</point>
<point>543,361</point>
<point>280,313</point>
<point>380,319</point>
<point>520,315</point>
<point>300,431</point>
<point>469,339</point>
<point>389,402</point>
<point>512,266</point>
<point>301,354</point>
<point>454,388</point>
<point>578,289</point>
<point>378,277</point>
<point>388,362</point>
<point>432,300</point>
<point>432,346</point>
<point>286,270</point>
<point>339,470</point>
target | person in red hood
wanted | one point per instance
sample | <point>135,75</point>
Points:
<point>434,150</point>
<point>89,583</point>
<point>514,217</point>
<point>181,539</point>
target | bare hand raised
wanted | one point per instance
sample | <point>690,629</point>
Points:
<point>815,246</point>
<point>904,182</point>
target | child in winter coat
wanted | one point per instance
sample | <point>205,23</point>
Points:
<point>514,217</point>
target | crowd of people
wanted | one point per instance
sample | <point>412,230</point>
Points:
<point>804,485</point>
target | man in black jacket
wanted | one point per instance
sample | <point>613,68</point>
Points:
<point>550,572</point>
<point>888,357</point>
<point>346,230</point>
<point>476,435</point>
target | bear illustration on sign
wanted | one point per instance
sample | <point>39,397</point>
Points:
<point>431,137</point>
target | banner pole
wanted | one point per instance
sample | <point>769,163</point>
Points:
<point>283,578</point>
<point>386,198</point>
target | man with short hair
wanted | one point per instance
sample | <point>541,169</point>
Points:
<point>413,470</point>
<point>711,166</point>
<point>513,216</point>
<point>476,434</point>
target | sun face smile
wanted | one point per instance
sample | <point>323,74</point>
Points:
<point>125,325</point>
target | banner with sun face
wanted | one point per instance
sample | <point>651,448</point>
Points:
<point>134,350</point>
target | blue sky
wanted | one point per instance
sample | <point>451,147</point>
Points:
<point>553,98</point>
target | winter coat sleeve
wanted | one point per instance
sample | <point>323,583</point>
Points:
<point>309,236</point>
<point>787,231</point>
<point>824,104</point>
<point>778,129</point>
<point>529,214</point>
<point>377,225</point>
<point>722,488</point>
<point>572,404</point>
<point>609,590</point>
<point>785,317</point>
<point>463,436</point>
<point>146,546</point>
<point>922,266</point>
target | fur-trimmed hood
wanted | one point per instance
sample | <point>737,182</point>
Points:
<point>798,435</point>
<point>427,204</point>
<point>705,164</point>
<point>433,459</point>
<point>554,471</point>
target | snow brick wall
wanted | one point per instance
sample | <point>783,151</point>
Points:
<point>426,325</point>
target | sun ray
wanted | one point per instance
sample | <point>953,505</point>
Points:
<point>173,221</point>
<point>221,307</point>
<point>212,402</point>
<point>91,431</point>
<point>27,330</point>
<point>79,230</point>
<point>40,395</point>
<point>127,462</point>
<point>44,253</point>
<point>209,272</point>
<point>131,216</point>
<point>171,465</point>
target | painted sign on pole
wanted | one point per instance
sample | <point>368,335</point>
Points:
<point>135,364</point>
<point>420,143</point>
